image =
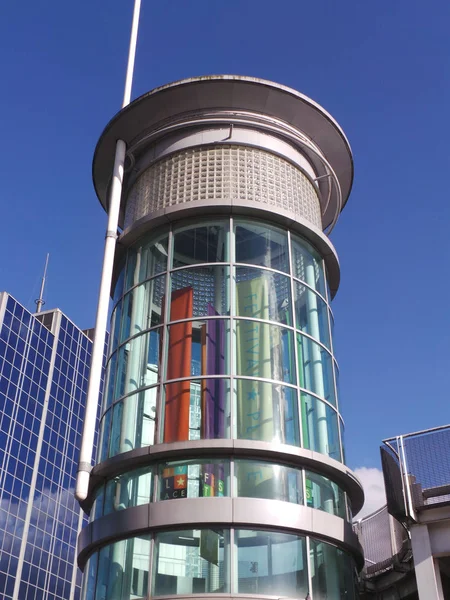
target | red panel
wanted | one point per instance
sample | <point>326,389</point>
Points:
<point>178,395</point>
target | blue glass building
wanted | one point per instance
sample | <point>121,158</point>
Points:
<point>44,366</point>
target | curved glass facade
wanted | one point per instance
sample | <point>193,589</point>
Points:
<point>220,432</point>
<point>217,561</point>
<point>208,477</point>
<point>221,329</point>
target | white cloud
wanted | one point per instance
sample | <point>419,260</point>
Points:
<point>373,484</point>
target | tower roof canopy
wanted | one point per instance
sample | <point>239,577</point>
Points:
<point>232,94</point>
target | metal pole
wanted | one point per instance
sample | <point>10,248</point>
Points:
<point>131,53</point>
<point>409,505</point>
<point>40,301</point>
<point>87,440</point>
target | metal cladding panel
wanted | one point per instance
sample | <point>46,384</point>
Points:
<point>298,457</point>
<point>393,484</point>
<point>133,519</point>
<point>190,512</point>
<point>327,525</point>
<point>265,513</point>
<point>374,533</point>
<point>440,538</point>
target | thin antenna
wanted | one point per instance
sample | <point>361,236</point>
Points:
<point>40,301</point>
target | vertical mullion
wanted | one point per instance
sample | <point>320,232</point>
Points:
<point>305,499</point>
<point>164,346</point>
<point>150,566</point>
<point>333,362</point>
<point>308,566</point>
<point>233,487</point>
<point>233,337</point>
<point>155,477</point>
<point>232,555</point>
<point>297,374</point>
<point>116,367</point>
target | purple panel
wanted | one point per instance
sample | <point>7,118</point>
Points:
<point>214,389</point>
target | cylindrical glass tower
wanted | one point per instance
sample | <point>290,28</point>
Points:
<point>221,464</point>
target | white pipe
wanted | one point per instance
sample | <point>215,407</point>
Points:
<point>87,439</point>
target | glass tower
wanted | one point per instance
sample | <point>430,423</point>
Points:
<point>44,365</point>
<point>221,384</point>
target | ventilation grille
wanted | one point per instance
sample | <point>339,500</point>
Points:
<point>220,174</point>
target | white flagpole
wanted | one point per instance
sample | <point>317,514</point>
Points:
<point>131,53</point>
<point>87,439</point>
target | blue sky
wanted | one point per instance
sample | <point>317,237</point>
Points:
<point>380,68</point>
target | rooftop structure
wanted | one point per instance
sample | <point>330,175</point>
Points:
<point>407,543</point>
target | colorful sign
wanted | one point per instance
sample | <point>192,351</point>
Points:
<point>212,480</point>
<point>174,482</point>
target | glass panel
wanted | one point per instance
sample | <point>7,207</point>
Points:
<point>349,509</point>
<point>267,412</point>
<point>89,577</point>
<point>152,258</point>
<point>129,489</point>
<point>323,494</point>
<point>331,326</point>
<point>118,288</point>
<point>198,409</point>
<point>261,245</point>
<point>331,572</point>
<point>121,376</point>
<point>115,325</point>
<point>123,570</point>
<point>202,244</point>
<point>191,562</point>
<point>105,424</point>
<point>198,348</point>
<point>138,363</point>
<point>263,294</point>
<point>193,479</point>
<point>307,265</point>
<point>134,422</point>
<point>110,381</point>
<point>265,480</point>
<point>264,350</point>
<point>347,576</point>
<point>315,369</point>
<point>200,291</point>
<point>342,428</point>
<point>272,564</point>
<point>311,314</point>
<point>320,427</point>
<point>131,274</point>
<point>336,375</point>
<point>142,307</point>
<point>97,507</point>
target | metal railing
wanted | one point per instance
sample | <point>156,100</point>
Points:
<point>416,468</point>
<point>384,540</point>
